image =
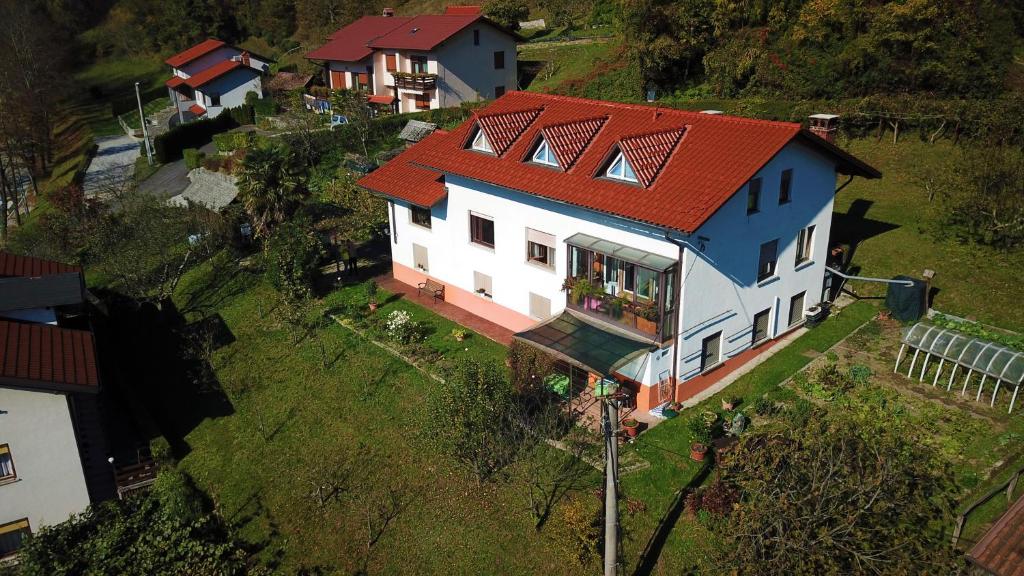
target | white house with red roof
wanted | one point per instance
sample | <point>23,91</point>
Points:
<point>422,62</point>
<point>658,247</point>
<point>51,447</point>
<point>213,76</point>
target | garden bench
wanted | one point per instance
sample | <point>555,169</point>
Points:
<point>436,289</point>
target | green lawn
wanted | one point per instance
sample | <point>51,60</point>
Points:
<point>899,224</point>
<point>294,423</point>
<point>557,65</point>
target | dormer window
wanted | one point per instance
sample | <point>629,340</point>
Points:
<point>480,142</point>
<point>620,169</point>
<point>544,154</point>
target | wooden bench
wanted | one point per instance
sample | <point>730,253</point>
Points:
<point>434,288</point>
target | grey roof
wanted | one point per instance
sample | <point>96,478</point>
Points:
<point>415,131</point>
<point>581,342</point>
<point>21,293</point>
<point>627,253</point>
<point>210,189</point>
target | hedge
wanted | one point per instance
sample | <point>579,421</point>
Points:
<point>169,146</point>
<point>193,157</point>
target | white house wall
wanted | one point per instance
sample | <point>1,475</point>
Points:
<point>467,73</point>
<point>720,288</point>
<point>50,484</point>
<point>349,68</point>
<point>232,88</point>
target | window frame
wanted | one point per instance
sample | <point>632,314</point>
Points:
<point>5,450</point>
<point>704,366</point>
<point>617,159</point>
<point>786,187</point>
<point>476,231</point>
<point>803,307</point>
<point>20,525</point>
<point>481,136</point>
<point>766,313</point>
<point>391,62</point>
<point>774,261</point>
<point>549,255</point>
<point>552,160</point>
<point>479,290</point>
<point>422,101</point>
<point>418,60</point>
<point>754,196</point>
<point>499,59</point>
<point>414,210</point>
<point>804,245</point>
<point>425,268</point>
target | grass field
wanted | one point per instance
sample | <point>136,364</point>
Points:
<point>558,64</point>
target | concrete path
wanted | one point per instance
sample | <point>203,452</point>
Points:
<point>171,179</point>
<point>112,165</point>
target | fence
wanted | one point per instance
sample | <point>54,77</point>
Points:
<point>1009,486</point>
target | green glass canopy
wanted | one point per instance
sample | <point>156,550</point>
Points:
<point>576,339</point>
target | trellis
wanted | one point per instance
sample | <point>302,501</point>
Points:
<point>989,360</point>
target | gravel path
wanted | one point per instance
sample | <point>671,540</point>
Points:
<point>113,163</point>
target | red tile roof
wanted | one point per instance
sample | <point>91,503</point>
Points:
<point>418,185</point>
<point>570,139</point>
<point>201,49</point>
<point>424,32</point>
<point>30,267</point>
<point>47,357</point>
<point>503,128</point>
<point>197,109</point>
<point>647,153</point>
<point>717,156</point>
<point>1001,550</point>
<point>380,99</point>
<point>216,71</point>
<point>350,44</point>
<point>174,82</point>
<point>463,10</point>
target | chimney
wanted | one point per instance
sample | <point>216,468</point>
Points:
<point>824,125</point>
<point>388,12</point>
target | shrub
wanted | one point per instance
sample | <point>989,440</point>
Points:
<point>193,158</point>
<point>699,429</point>
<point>243,114</point>
<point>264,107</point>
<point>161,451</point>
<point>764,406</point>
<point>293,257</point>
<point>170,145</point>
<point>402,328</point>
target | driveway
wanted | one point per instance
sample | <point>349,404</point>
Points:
<point>171,179</point>
<point>112,165</point>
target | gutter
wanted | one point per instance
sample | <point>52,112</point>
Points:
<point>677,305</point>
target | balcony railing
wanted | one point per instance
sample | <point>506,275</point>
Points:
<point>408,81</point>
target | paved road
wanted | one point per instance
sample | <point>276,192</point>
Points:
<point>113,163</point>
<point>171,179</point>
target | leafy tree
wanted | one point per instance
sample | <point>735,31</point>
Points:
<point>364,213</point>
<point>667,39</point>
<point>269,186</point>
<point>293,256</point>
<point>508,13</point>
<point>468,417</point>
<point>984,198</point>
<point>850,495</point>
<point>352,104</point>
<point>165,532</point>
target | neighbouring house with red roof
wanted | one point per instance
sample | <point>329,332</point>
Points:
<point>421,62</point>
<point>52,449</point>
<point>655,247</point>
<point>212,76</point>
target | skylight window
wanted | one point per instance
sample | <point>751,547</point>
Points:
<point>545,155</point>
<point>480,142</point>
<point>620,169</point>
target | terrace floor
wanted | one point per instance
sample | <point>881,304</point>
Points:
<point>499,334</point>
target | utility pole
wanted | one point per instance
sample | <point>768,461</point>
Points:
<point>611,487</point>
<point>142,121</point>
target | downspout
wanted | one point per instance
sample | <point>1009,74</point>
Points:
<point>844,184</point>
<point>677,306</point>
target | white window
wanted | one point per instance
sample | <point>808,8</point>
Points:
<point>6,464</point>
<point>482,284</point>
<point>804,245</point>
<point>544,154</point>
<point>621,170</point>
<point>540,248</point>
<point>766,261</point>
<point>419,258</point>
<point>480,142</point>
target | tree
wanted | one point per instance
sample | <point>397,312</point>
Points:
<point>468,417</point>
<point>854,494</point>
<point>293,257</point>
<point>984,197</point>
<point>508,13</point>
<point>269,186</point>
<point>364,213</point>
<point>352,104</point>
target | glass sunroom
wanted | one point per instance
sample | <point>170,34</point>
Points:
<point>627,287</point>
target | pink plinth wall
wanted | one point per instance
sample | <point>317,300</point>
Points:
<point>468,301</point>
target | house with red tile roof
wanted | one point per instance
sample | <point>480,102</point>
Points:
<point>655,247</point>
<point>213,76</point>
<point>51,451</point>
<point>422,62</point>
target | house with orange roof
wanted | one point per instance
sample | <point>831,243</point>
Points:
<point>213,76</point>
<point>421,62</point>
<point>657,249</point>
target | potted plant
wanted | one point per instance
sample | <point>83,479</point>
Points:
<point>698,451</point>
<point>581,289</point>
<point>700,429</point>
<point>371,294</point>
<point>647,316</point>
<point>459,334</point>
<point>631,426</point>
<point>615,306</point>
<point>710,418</point>
<point>729,403</point>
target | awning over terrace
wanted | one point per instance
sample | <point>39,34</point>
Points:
<point>627,253</point>
<point>583,343</point>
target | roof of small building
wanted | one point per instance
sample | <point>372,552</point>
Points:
<point>201,49</point>
<point>216,71</point>
<point>688,164</point>
<point>286,81</point>
<point>174,81</point>
<point>30,267</point>
<point>45,357</point>
<point>1001,550</point>
<point>357,41</point>
<point>416,130</point>
<point>213,190</point>
<point>197,109</point>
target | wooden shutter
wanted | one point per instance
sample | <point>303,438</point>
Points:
<point>540,307</point>
<point>337,80</point>
<point>710,350</point>
<point>390,62</point>
<point>796,308</point>
<point>419,258</point>
<point>761,320</point>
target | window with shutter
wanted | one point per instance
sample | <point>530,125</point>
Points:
<point>540,307</point>
<point>767,260</point>
<point>482,284</point>
<point>761,320</point>
<point>419,258</point>
<point>391,62</point>
<point>710,351</point>
<point>337,80</point>
<point>12,536</point>
<point>796,309</point>
<point>540,248</point>
<point>423,101</point>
